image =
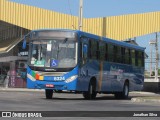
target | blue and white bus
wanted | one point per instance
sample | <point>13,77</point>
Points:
<point>80,62</point>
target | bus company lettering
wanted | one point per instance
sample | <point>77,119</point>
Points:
<point>116,71</point>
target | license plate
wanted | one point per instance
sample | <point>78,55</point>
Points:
<point>49,85</point>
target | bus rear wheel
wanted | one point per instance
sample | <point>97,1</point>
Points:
<point>91,93</point>
<point>49,93</point>
<point>124,94</point>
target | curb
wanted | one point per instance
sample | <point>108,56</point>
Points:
<point>140,99</point>
<point>144,93</point>
<point>19,90</point>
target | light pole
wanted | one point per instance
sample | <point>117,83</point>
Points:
<point>151,42</point>
<point>157,58</point>
<point>80,22</point>
<point>155,42</point>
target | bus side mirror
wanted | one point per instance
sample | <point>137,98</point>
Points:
<point>24,43</point>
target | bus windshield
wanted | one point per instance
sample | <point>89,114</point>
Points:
<point>55,53</point>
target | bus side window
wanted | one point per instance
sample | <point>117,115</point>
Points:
<point>133,57</point>
<point>110,52</point>
<point>89,49</point>
<point>85,51</point>
<point>84,48</point>
<point>102,51</point>
<point>140,59</point>
<point>143,57</point>
<point>127,54</point>
<point>115,54</point>
<point>123,55</point>
<point>130,57</point>
<point>97,52</point>
<point>119,54</point>
<point>136,57</point>
<point>94,49</point>
<point>106,52</point>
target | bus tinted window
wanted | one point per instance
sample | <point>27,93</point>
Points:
<point>118,54</point>
<point>106,53</point>
<point>123,55</point>
<point>140,59</point>
<point>94,49</point>
<point>110,52</point>
<point>133,57</point>
<point>127,55</point>
<point>99,50</point>
<point>102,49</point>
<point>136,57</point>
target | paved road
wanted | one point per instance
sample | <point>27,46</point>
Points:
<point>35,101</point>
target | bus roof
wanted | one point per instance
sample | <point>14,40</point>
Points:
<point>96,37</point>
<point>115,42</point>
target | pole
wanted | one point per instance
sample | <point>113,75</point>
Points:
<point>157,58</point>
<point>80,14</point>
<point>151,63</point>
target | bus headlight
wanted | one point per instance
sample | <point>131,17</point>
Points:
<point>70,79</point>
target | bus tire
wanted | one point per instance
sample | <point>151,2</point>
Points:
<point>49,93</point>
<point>91,93</point>
<point>124,94</point>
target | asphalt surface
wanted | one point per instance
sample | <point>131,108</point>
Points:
<point>34,100</point>
<point>141,96</point>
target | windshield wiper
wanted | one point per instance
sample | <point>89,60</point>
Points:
<point>65,40</point>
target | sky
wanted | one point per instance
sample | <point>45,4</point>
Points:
<point>96,8</point>
<point>101,8</point>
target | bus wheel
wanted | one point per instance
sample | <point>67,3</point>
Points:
<point>91,93</point>
<point>124,94</point>
<point>49,93</point>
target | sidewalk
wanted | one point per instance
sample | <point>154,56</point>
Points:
<point>146,97</point>
<point>154,99</point>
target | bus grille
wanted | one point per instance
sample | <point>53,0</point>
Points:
<point>51,73</point>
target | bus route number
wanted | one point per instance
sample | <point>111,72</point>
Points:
<point>59,78</point>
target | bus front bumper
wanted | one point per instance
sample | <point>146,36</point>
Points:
<point>55,85</point>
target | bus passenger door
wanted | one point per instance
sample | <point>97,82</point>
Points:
<point>84,48</point>
<point>84,53</point>
<point>83,64</point>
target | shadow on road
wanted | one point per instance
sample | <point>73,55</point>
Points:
<point>97,98</point>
